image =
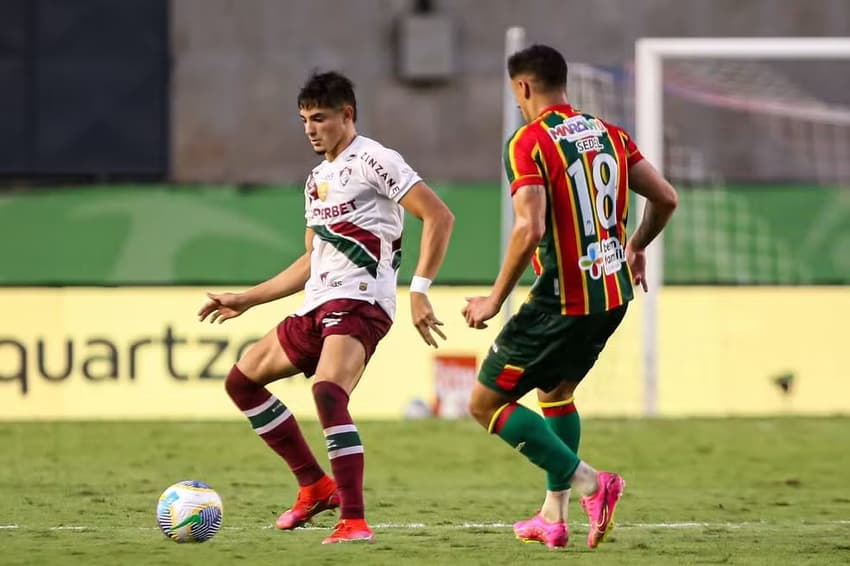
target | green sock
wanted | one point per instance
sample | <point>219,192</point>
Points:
<point>562,418</point>
<point>526,431</point>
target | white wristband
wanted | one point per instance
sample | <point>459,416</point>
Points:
<point>419,284</point>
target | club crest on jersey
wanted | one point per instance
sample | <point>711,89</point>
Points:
<point>312,189</point>
<point>576,128</point>
<point>344,176</point>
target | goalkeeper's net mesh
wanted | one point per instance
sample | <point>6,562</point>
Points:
<point>762,167</point>
<point>761,163</point>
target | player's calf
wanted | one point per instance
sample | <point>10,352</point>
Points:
<point>345,450</point>
<point>275,424</point>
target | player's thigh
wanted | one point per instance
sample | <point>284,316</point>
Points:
<point>265,361</point>
<point>573,350</point>
<point>561,392</point>
<point>351,331</point>
<point>584,339</point>
<point>539,350</point>
<point>342,361</point>
<point>509,367</point>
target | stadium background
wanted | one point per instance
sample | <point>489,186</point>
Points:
<point>151,150</point>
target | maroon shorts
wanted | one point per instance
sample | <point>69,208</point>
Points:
<point>301,336</point>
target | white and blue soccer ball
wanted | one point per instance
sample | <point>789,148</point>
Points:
<point>189,511</point>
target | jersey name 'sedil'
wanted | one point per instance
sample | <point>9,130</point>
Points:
<point>351,203</point>
<point>583,162</point>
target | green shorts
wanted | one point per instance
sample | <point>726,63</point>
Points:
<point>540,350</point>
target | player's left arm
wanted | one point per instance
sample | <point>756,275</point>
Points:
<point>437,223</point>
<point>224,306</point>
<point>529,225</point>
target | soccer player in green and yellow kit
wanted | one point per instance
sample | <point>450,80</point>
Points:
<point>570,174</point>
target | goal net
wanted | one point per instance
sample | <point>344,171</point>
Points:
<point>764,165</point>
<point>756,138</point>
<point>755,133</point>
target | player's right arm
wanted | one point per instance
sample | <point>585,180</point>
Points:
<point>661,201</point>
<point>528,192</point>
<point>223,306</point>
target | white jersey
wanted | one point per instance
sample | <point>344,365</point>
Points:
<point>352,206</point>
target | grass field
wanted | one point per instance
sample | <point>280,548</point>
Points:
<point>699,492</point>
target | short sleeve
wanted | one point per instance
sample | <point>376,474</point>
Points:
<point>521,166</point>
<point>633,154</point>
<point>389,172</point>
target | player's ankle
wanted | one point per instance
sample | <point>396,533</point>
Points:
<point>552,515</point>
<point>585,479</point>
<point>319,486</point>
<point>553,506</point>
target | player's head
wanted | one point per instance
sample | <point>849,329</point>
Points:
<point>328,109</point>
<point>537,71</point>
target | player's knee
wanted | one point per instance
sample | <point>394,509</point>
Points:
<point>344,377</point>
<point>233,383</point>
<point>329,397</point>
<point>258,363</point>
<point>237,383</point>
<point>480,411</point>
<point>484,403</point>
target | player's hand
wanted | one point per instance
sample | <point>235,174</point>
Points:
<point>637,264</point>
<point>424,320</point>
<point>222,306</point>
<point>480,309</point>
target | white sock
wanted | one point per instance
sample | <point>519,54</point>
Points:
<point>584,479</point>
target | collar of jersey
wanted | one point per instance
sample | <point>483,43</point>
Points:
<point>346,149</point>
<point>556,108</point>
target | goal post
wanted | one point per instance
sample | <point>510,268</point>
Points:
<point>650,54</point>
<point>511,121</point>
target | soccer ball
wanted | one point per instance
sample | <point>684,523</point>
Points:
<point>189,511</point>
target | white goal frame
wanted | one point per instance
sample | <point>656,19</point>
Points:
<point>650,54</point>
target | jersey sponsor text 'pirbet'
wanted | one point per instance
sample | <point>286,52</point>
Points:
<point>582,161</point>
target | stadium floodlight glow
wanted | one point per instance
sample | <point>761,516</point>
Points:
<point>649,95</point>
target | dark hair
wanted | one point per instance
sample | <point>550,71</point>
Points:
<point>327,90</point>
<point>542,62</point>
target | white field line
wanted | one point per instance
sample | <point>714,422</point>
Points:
<point>462,526</point>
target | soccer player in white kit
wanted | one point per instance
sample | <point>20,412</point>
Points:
<point>355,202</point>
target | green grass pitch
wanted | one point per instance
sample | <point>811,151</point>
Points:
<point>726,491</point>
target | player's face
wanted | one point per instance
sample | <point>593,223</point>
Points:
<point>325,128</point>
<point>522,93</point>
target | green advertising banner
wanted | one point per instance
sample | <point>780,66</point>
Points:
<point>120,235</point>
<point>179,235</point>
